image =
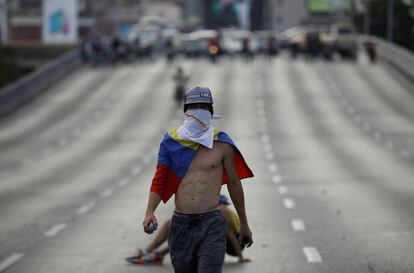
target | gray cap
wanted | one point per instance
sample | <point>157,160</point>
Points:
<point>198,95</point>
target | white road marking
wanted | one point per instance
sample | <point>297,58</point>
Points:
<point>298,225</point>
<point>53,231</point>
<point>289,203</point>
<point>123,182</point>
<point>273,167</point>
<point>136,170</point>
<point>265,138</point>
<point>312,255</point>
<point>107,193</point>
<point>282,189</point>
<point>85,208</point>
<point>10,261</point>
<point>277,179</point>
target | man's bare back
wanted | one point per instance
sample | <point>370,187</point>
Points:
<point>199,190</point>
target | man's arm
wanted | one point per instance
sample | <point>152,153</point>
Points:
<point>154,200</point>
<point>236,193</point>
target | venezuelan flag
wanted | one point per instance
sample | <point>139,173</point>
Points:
<point>174,159</point>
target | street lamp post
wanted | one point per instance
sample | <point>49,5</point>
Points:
<point>367,18</point>
<point>4,25</point>
<point>390,21</point>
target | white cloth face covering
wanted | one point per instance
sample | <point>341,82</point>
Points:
<point>197,127</point>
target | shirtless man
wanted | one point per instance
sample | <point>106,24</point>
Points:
<point>191,163</point>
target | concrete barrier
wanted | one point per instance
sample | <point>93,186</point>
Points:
<point>16,94</point>
<point>397,56</point>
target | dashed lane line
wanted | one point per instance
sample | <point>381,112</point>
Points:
<point>85,208</point>
<point>53,231</point>
<point>312,254</point>
<point>289,203</point>
<point>10,261</point>
<point>298,225</point>
<point>107,193</point>
<point>277,179</point>
<point>273,167</point>
<point>123,182</point>
<point>269,156</point>
<point>282,189</point>
<point>267,148</point>
<point>265,138</point>
<point>136,171</point>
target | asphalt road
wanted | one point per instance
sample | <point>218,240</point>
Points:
<point>331,146</point>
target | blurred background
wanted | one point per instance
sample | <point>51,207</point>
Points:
<point>317,94</point>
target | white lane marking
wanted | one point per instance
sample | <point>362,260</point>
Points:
<point>273,167</point>
<point>298,225</point>
<point>107,193</point>
<point>312,255</point>
<point>136,170</point>
<point>6,263</point>
<point>53,231</point>
<point>277,179</point>
<point>265,138</point>
<point>289,203</point>
<point>85,208</point>
<point>267,148</point>
<point>282,189</point>
<point>405,154</point>
<point>123,182</point>
<point>269,156</point>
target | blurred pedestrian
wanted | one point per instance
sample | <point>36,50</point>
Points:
<point>180,80</point>
<point>371,50</point>
<point>154,255</point>
<point>194,160</point>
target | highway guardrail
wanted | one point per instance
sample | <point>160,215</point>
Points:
<point>18,93</point>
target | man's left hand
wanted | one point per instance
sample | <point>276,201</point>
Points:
<point>246,235</point>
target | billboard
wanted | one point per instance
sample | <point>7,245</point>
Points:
<point>328,6</point>
<point>60,21</point>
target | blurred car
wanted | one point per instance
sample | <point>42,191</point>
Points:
<point>196,43</point>
<point>344,38</point>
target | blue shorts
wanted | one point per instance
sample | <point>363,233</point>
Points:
<point>198,242</point>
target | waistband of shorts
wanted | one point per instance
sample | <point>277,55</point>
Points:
<point>185,218</point>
